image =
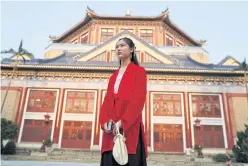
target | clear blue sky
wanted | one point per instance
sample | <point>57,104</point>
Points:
<point>223,24</point>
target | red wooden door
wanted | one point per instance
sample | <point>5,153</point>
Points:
<point>76,134</point>
<point>35,130</point>
<point>210,136</point>
<point>168,137</point>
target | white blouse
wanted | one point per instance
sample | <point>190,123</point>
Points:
<point>118,79</point>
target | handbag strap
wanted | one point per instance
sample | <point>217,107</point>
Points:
<point>118,130</point>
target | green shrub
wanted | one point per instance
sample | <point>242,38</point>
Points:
<point>9,130</point>
<point>240,150</point>
<point>10,148</point>
<point>220,158</point>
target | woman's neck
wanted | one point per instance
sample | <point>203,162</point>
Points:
<point>125,62</point>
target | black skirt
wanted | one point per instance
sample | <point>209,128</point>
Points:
<point>138,159</point>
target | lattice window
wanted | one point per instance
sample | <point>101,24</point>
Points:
<point>156,136</point>
<point>80,102</point>
<point>84,38</point>
<point>206,106</point>
<point>130,30</point>
<point>113,56</point>
<point>138,55</point>
<point>169,41</point>
<point>147,35</point>
<point>106,34</point>
<point>41,101</point>
<point>167,105</point>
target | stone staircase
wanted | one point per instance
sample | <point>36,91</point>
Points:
<point>94,156</point>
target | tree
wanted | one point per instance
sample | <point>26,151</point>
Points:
<point>19,55</point>
<point>240,150</point>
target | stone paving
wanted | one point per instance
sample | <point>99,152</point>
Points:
<point>46,163</point>
<point>40,163</point>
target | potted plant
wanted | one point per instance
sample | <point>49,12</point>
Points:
<point>198,148</point>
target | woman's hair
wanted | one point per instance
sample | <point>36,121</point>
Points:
<point>130,43</point>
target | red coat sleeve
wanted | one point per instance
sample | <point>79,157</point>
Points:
<point>137,101</point>
<point>103,116</point>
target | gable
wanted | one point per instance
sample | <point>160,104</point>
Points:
<point>230,62</point>
<point>101,57</point>
<point>150,55</point>
<point>148,58</point>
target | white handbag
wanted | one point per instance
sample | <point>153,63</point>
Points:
<point>120,153</point>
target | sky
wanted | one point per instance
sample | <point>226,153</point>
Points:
<point>223,24</point>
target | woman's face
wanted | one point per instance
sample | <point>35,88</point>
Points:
<point>123,51</point>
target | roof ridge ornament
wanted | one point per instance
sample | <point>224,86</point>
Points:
<point>166,10</point>
<point>88,8</point>
<point>128,12</point>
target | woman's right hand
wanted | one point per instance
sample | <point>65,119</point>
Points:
<point>106,128</point>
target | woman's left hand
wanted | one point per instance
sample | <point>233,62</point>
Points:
<point>117,126</point>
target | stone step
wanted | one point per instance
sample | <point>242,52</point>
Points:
<point>89,160</point>
<point>70,155</point>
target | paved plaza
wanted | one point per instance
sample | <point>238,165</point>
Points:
<point>44,163</point>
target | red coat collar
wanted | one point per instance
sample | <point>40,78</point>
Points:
<point>130,68</point>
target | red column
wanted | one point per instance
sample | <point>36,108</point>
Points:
<point>21,108</point>
<point>148,124</point>
<point>187,120</point>
<point>97,125</point>
<point>108,56</point>
<point>228,122</point>
<point>137,31</point>
<point>58,116</point>
<point>142,57</point>
<point>156,36</point>
<point>97,39</point>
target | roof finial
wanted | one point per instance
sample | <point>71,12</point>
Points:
<point>128,12</point>
<point>90,9</point>
<point>164,11</point>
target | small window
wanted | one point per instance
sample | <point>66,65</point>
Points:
<point>106,34</point>
<point>147,35</point>
<point>169,41</point>
<point>130,30</point>
<point>113,56</point>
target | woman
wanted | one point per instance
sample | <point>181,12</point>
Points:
<point>123,104</point>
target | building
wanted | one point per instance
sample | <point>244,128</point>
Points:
<point>70,83</point>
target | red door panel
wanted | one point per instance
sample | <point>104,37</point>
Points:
<point>168,137</point>
<point>76,134</point>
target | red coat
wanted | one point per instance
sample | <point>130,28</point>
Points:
<point>129,103</point>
